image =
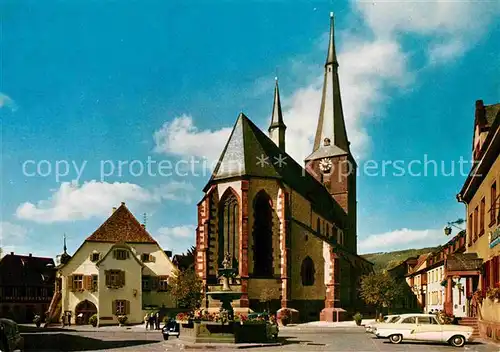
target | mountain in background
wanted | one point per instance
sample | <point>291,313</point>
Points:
<point>388,260</point>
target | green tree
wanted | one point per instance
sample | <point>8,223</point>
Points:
<point>187,288</point>
<point>380,290</point>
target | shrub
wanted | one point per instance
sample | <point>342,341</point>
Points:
<point>122,319</point>
<point>93,320</point>
<point>357,318</point>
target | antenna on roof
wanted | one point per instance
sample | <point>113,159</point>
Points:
<point>145,219</point>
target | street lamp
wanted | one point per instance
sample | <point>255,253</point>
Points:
<point>447,229</point>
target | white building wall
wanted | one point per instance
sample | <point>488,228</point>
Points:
<point>435,291</point>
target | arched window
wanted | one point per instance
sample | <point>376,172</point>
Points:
<point>262,235</point>
<point>307,272</point>
<point>229,227</point>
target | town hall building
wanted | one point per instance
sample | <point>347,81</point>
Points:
<point>290,230</point>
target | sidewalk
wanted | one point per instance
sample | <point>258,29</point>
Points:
<point>323,324</point>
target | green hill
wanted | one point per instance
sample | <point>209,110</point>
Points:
<point>387,260</point>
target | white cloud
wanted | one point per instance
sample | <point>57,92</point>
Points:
<point>182,138</point>
<point>80,202</point>
<point>401,239</point>
<point>12,237</point>
<point>7,102</point>
<point>177,239</point>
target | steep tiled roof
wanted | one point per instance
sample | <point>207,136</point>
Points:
<point>26,270</point>
<point>121,226</point>
<point>491,112</point>
<point>249,152</point>
<point>463,262</point>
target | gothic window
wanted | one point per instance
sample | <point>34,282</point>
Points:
<point>229,228</point>
<point>263,235</point>
<point>307,272</point>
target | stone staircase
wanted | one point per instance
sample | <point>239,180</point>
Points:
<point>472,322</point>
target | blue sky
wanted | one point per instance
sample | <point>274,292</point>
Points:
<point>90,84</point>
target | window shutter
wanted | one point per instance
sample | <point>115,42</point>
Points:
<point>91,256</point>
<point>151,258</point>
<point>113,307</point>
<point>89,282</point>
<point>70,282</point>
<point>85,282</point>
<point>114,254</point>
<point>127,307</point>
<point>108,278</point>
<point>154,283</point>
<point>122,278</point>
<point>128,254</point>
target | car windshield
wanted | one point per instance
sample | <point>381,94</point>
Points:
<point>393,319</point>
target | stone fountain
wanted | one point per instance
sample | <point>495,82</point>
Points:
<point>226,295</point>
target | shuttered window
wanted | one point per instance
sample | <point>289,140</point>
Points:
<point>496,278</point>
<point>121,254</point>
<point>121,307</point>
<point>115,278</point>
<point>163,283</point>
<point>78,282</point>
<point>481,216</point>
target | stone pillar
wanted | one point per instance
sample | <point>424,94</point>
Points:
<point>243,269</point>
<point>332,311</point>
<point>284,247</point>
<point>448,304</point>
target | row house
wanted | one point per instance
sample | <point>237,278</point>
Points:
<point>429,279</point>
<point>26,286</point>
<point>480,194</point>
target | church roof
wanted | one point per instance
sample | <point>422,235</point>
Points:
<point>121,226</point>
<point>250,153</point>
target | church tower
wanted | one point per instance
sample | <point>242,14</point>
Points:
<point>277,127</point>
<point>331,161</point>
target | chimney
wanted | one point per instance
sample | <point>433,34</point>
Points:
<point>30,255</point>
<point>143,226</point>
<point>123,203</point>
<point>480,112</point>
<point>11,253</point>
<point>113,210</point>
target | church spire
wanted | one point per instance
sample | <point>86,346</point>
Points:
<point>64,246</point>
<point>331,132</point>
<point>277,127</point>
<point>332,56</point>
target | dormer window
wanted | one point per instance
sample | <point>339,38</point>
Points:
<point>147,258</point>
<point>94,257</point>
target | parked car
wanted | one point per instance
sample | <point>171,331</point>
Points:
<point>171,328</point>
<point>387,319</point>
<point>423,327</point>
<point>10,338</point>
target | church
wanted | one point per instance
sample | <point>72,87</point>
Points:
<point>290,230</point>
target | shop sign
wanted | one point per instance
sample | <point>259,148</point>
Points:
<point>494,237</point>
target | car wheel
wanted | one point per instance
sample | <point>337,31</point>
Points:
<point>457,341</point>
<point>396,338</point>
<point>165,336</point>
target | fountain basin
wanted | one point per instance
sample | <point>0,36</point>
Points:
<point>225,295</point>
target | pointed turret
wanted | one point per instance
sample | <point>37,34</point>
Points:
<point>277,127</point>
<point>331,135</point>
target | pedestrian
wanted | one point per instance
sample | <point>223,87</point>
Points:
<point>69,318</point>
<point>157,320</point>
<point>146,320</point>
<point>151,321</point>
<point>63,320</point>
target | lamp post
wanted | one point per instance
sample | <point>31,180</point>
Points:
<point>447,229</point>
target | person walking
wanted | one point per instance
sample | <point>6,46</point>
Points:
<point>151,321</point>
<point>157,318</point>
<point>146,320</point>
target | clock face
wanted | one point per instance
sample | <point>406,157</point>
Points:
<point>325,165</point>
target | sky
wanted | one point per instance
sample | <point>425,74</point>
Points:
<point>105,102</point>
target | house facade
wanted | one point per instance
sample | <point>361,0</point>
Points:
<point>26,286</point>
<point>290,231</point>
<point>439,279</point>
<point>118,270</point>
<point>481,195</point>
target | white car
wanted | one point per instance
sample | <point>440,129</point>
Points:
<point>423,327</point>
<point>387,319</point>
